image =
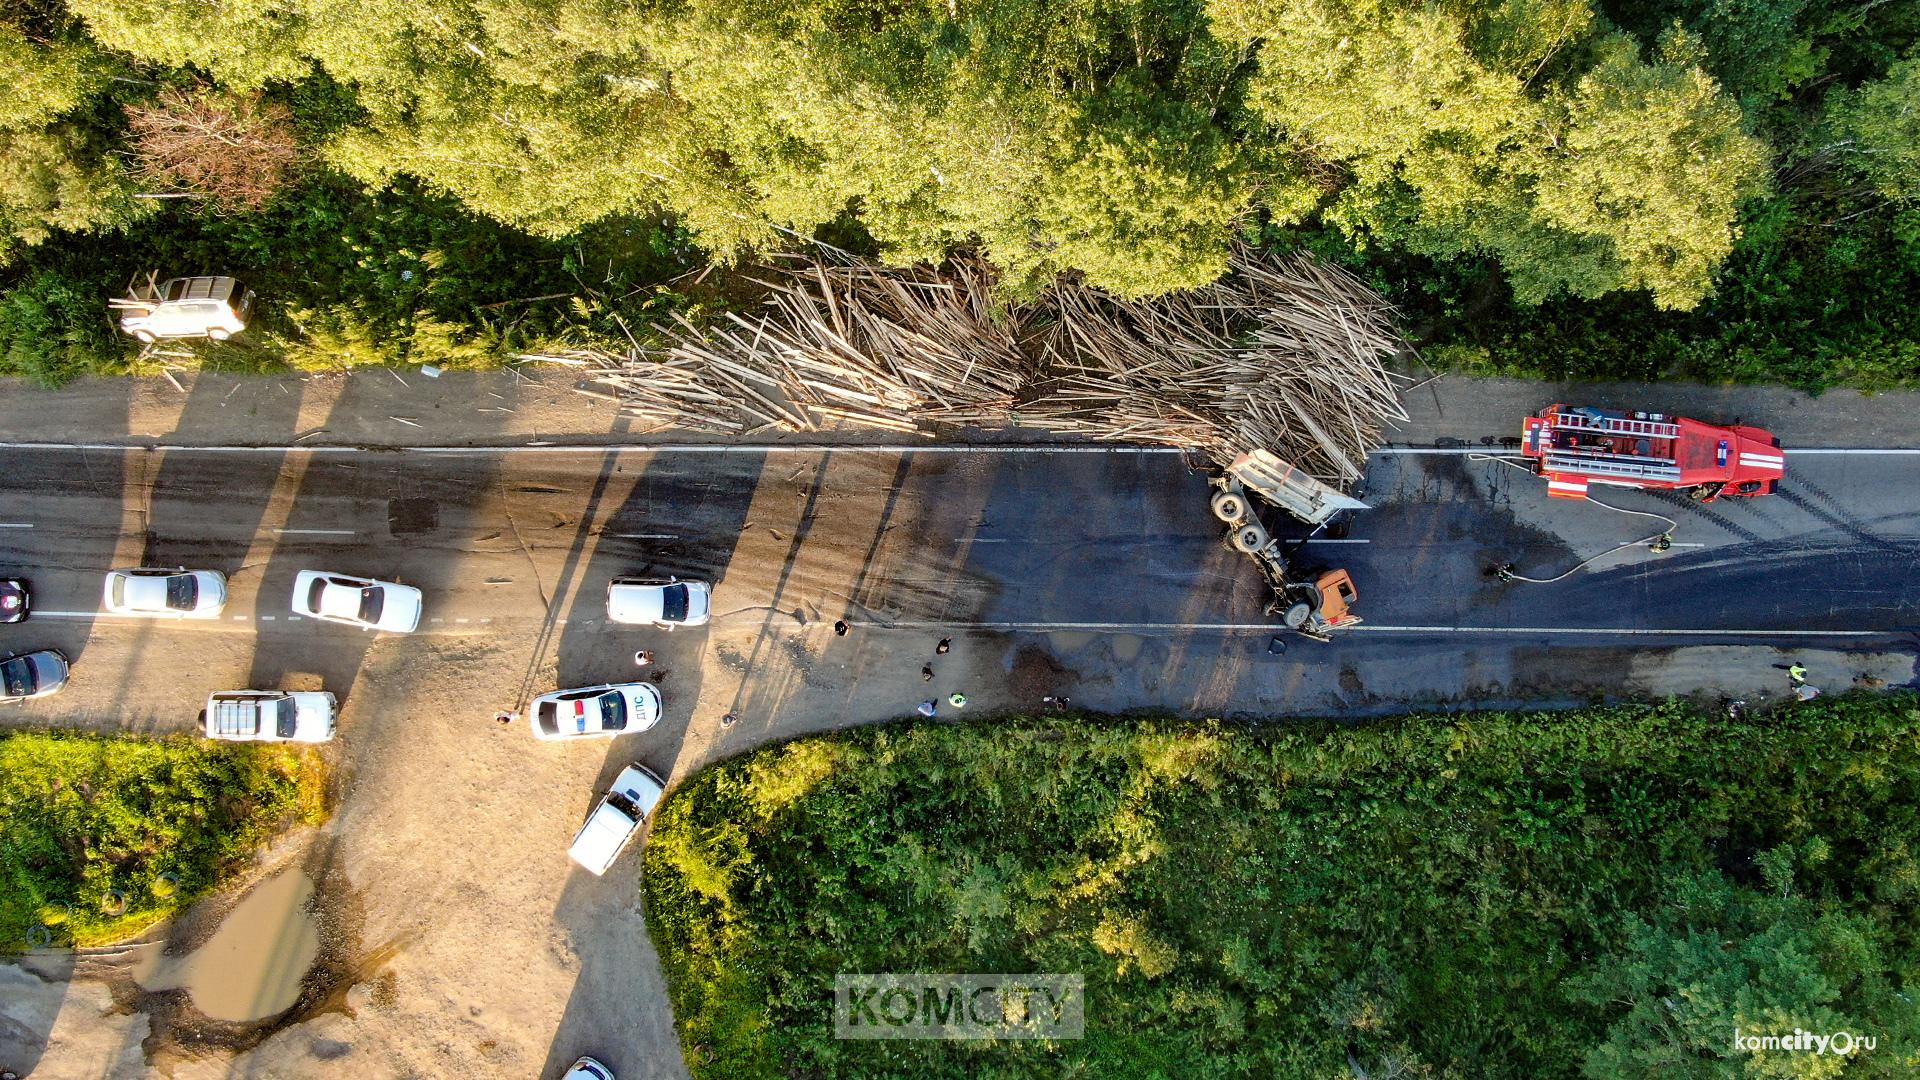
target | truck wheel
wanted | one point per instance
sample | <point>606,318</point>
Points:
<point>144,337</point>
<point>1229,508</point>
<point>1296,616</point>
<point>218,333</point>
<point>1248,539</point>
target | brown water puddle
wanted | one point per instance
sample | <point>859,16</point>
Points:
<point>252,966</point>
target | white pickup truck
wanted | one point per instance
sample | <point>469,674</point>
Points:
<point>636,791</point>
<point>270,716</point>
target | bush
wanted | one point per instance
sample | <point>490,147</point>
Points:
<point>54,328</point>
<point>115,833</point>
<point>1486,896</point>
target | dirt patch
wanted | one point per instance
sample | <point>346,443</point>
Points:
<point>1036,675</point>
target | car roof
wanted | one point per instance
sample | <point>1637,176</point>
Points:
<point>638,783</point>
<point>197,288</point>
<point>342,601</point>
<point>635,600</point>
<point>144,591</point>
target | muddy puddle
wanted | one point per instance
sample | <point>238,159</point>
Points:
<point>252,967</point>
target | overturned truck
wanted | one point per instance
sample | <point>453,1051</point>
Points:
<point>1311,601</point>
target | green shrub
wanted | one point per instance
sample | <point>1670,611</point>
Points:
<point>1606,893</point>
<point>91,823</point>
<point>54,328</point>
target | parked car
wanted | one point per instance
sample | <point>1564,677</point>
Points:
<point>270,716</point>
<point>615,822</point>
<point>662,602</point>
<point>184,307</point>
<point>15,600</point>
<point>178,593</point>
<point>596,711</point>
<point>32,675</point>
<point>588,1069</point>
<point>362,602</point>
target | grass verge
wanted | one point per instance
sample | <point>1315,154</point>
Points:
<point>101,836</point>
<point>1607,892</point>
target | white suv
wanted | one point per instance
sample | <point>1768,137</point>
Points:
<point>184,307</point>
<point>270,716</point>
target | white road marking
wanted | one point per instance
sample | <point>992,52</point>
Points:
<point>316,532</point>
<point>268,618</point>
<point>1377,628</point>
<point>457,620</point>
<point>613,448</point>
<point>1499,451</point>
<point>647,536</point>
<point>15,525</point>
<point>1330,540</point>
<point>808,448</point>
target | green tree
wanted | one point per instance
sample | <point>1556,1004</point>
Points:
<point>1527,131</point>
<point>1735,961</point>
<point>55,170</point>
<point>1879,126</point>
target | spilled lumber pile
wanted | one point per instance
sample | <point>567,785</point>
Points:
<point>1284,353</point>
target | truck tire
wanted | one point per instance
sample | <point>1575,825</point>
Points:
<point>144,337</point>
<point>218,333</point>
<point>1230,508</point>
<point>1249,538</point>
<point>1296,615</point>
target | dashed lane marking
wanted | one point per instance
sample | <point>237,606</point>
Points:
<point>1375,628</point>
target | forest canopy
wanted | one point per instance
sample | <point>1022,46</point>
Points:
<point>1515,154</point>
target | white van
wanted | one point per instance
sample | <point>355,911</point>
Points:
<point>270,716</point>
<point>185,307</point>
<point>617,820</point>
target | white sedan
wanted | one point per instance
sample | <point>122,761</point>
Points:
<point>662,602</point>
<point>361,602</point>
<point>177,593</point>
<point>596,711</point>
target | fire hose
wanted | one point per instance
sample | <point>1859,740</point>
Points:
<point>1659,541</point>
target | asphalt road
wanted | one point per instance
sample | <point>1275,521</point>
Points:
<point>1097,575</point>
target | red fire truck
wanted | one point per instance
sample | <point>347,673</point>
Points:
<point>1576,446</point>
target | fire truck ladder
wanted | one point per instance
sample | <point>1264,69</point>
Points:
<point>1615,425</point>
<point>1605,463</point>
<point>1622,466</point>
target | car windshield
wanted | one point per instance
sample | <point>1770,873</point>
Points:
<point>613,711</point>
<point>17,674</point>
<point>673,603</point>
<point>283,718</point>
<point>119,591</point>
<point>183,591</point>
<point>314,593</point>
<point>372,599</point>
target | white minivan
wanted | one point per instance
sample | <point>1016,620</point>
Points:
<point>617,820</point>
